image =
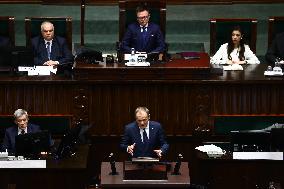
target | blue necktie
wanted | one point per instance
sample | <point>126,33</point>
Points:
<point>48,49</point>
<point>145,138</point>
<point>144,34</point>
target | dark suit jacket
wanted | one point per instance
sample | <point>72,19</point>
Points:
<point>133,39</point>
<point>4,41</point>
<point>12,132</point>
<point>156,140</point>
<point>59,51</point>
<point>276,49</point>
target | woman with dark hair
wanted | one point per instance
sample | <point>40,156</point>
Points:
<point>235,51</point>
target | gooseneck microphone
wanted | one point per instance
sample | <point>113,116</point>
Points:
<point>177,165</point>
<point>112,164</point>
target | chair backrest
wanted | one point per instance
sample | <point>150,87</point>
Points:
<point>62,27</point>
<point>275,26</point>
<point>127,14</point>
<point>7,28</point>
<point>220,29</point>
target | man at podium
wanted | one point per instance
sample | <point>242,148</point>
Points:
<point>144,138</point>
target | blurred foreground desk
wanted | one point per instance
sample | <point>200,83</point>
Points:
<point>69,173</point>
<point>226,172</point>
<point>116,181</point>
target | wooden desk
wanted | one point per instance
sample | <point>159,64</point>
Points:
<point>69,173</point>
<point>183,106</point>
<point>173,70</point>
<point>226,172</point>
<point>116,181</point>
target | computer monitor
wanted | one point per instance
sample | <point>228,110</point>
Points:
<point>30,145</point>
<point>67,145</point>
<point>12,57</point>
<point>277,139</point>
<point>250,141</point>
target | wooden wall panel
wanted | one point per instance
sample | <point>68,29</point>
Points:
<point>36,98</point>
<point>176,106</point>
<point>247,99</point>
<point>115,2</point>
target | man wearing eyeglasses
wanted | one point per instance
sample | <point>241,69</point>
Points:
<point>143,36</point>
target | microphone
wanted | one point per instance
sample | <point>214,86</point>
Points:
<point>112,164</point>
<point>177,166</point>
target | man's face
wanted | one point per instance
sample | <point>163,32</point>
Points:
<point>142,119</point>
<point>47,31</point>
<point>22,122</point>
<point>143,18</point>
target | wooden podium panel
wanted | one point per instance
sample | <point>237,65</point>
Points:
<point>116,181</point>
<point>176,69</point>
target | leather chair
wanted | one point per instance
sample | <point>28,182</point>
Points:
<point>221,27</point>
<point>7,28</point>
<point>275,26</point>
<point>127,15</point>
<point>62,25</point>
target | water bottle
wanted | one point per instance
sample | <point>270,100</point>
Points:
<point>132,58</point>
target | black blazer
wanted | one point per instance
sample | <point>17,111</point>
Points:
<point>276,49</point>
<point>12,132</point>
<point>59,51</point>
<point>157,140</point>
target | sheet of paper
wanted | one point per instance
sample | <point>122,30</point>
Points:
<point>258,155</point>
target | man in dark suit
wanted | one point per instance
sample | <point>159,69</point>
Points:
<point>22,126</point>
<point>4,41</point>
<point>144,138</point>
<point>49,49</point>
<point>276,50</point>
<point>143,36</point>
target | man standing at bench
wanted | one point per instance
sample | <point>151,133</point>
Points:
<point>22,126</point>
<point>144,138</point>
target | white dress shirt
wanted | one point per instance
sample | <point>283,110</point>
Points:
<point>147,132</point>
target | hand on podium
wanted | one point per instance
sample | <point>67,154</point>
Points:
<point>159,153</point>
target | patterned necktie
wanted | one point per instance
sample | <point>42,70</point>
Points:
<point>23,132</point>
<point>145,138</point>
<point>48,49</point>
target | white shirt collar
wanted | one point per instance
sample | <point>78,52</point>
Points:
<point>20,130</point>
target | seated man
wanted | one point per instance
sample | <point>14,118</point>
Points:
<point>22,126</point>
<point>143,36</point>
<point>276,50</point>
<point>4,41</point>
<point>49,49</point>
<point>144,138</point>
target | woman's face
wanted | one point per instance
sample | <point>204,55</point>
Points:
<point>236,37</point>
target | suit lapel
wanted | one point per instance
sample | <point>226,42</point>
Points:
<point>43,49</point>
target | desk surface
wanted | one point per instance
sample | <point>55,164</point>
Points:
<point>114,181</point>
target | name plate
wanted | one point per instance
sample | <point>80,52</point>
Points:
<point>23,164</point>
<point>258,155</point>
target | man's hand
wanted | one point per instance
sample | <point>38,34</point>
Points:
<point>159,153</point>
<point>130,149</point>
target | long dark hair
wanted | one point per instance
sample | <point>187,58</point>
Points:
<point>241,45</point>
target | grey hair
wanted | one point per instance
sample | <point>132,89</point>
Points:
<point>142,109</point>
<point>45,22</point>
<point>20,112</point>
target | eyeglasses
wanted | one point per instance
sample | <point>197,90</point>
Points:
<point>143,17</point>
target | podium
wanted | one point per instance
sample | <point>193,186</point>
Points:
<point>144,181</point>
